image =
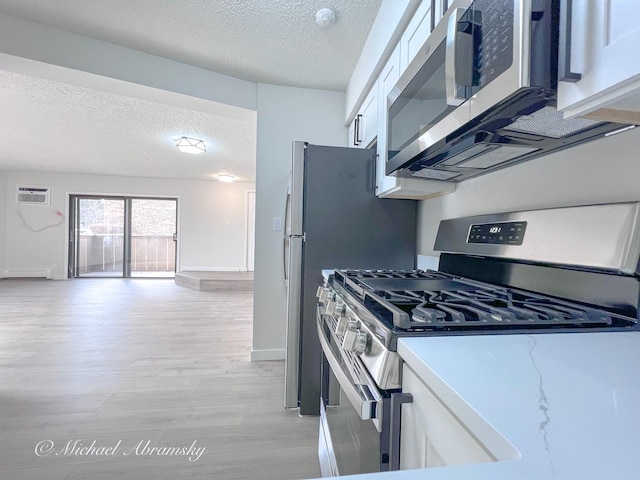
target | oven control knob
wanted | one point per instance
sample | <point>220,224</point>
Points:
<point>348,341</point>
<point>340,308</point>
<point>355,341</point>
<point>339,312</point>
<point>353,324</point>
<point>341,326</point>
<point>322,293</point>
<point>328,310</point>
<point>360,343</point>
<point>331,304</point>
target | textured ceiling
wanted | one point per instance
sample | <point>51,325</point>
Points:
<point>55,127</point>
<point>265,41</point>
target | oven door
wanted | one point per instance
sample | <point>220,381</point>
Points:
<point>354,428</point>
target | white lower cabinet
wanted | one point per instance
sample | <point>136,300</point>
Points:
<point>431,435</point>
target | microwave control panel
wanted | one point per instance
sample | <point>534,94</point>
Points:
<point>502,233</point>
<point>490,23</point>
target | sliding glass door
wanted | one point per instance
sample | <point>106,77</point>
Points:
<point>153,247</point>
<point>122,237</point>
<point>99,237</point>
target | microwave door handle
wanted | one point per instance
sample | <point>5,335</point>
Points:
<point>456,94</point>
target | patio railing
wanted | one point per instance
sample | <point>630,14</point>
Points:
<point>104,253</point>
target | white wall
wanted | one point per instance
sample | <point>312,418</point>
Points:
<point>606,170</point>
<point>3,217</point>
<point>285,114</point>
<point>204,209</point>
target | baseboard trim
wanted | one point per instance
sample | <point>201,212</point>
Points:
<point>212,269</point>
<point>267,355</point>
<point>28,273</point>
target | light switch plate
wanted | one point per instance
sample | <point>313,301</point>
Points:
<point>277,224</point>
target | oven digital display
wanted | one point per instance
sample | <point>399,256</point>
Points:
<point>507,233</point>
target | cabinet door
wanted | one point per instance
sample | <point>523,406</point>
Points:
<point>604,48</point>
<point>353,141</point>
<point>431,436</point>
<point>364,128</point>
<point>415,35</point>
<point>387,80</point>
<point>369,119</point>
<point>441,7</point>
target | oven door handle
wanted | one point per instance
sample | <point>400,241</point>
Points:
<point>361,396</point>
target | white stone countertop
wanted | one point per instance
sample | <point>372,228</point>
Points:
<point>568,403</point>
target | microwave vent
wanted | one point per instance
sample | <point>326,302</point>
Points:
<point>33,195</point>
<point>486,155</point>
<point>550,123</point>
<point>435,174</point>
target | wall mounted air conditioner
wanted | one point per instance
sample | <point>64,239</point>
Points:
<point>33,195</point>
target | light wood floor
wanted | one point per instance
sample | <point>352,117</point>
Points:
<point>137,361</point>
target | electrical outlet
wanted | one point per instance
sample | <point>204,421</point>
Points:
<point>277,224</point>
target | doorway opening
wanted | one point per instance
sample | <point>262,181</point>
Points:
<point>116,236</point>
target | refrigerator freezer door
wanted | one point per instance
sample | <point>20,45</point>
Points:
<point>294,296</point>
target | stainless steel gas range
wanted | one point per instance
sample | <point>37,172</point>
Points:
<point>547,271</point>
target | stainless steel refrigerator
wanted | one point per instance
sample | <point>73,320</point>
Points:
<point>333,220</point>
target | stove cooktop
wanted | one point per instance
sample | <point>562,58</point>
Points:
<point>422,301</point>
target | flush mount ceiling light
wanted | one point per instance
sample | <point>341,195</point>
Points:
<point>190,145</point>
<point>226,178</point>
<point>325,17</point>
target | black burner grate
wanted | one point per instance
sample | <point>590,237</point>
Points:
<point>421,301</point>
<point>500,308</point>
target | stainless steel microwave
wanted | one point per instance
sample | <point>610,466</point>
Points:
<point>481,93</point>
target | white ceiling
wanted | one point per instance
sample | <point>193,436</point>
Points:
<point>57,127</point>
<point>75,129</point>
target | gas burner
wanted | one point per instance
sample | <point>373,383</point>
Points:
<point>500,308</point>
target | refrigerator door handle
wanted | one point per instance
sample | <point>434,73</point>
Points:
<point>284,239</point>
<point>284,259</point>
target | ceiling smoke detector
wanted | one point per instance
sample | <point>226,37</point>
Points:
<point>325,17</point>
<point>190,145</point>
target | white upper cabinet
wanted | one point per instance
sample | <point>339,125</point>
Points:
<point>386,81</point>
<point>364,127</point>
<point>369,119</point>
<point>415,35</point>
<point>422,23</point>
<point>605,36</point>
